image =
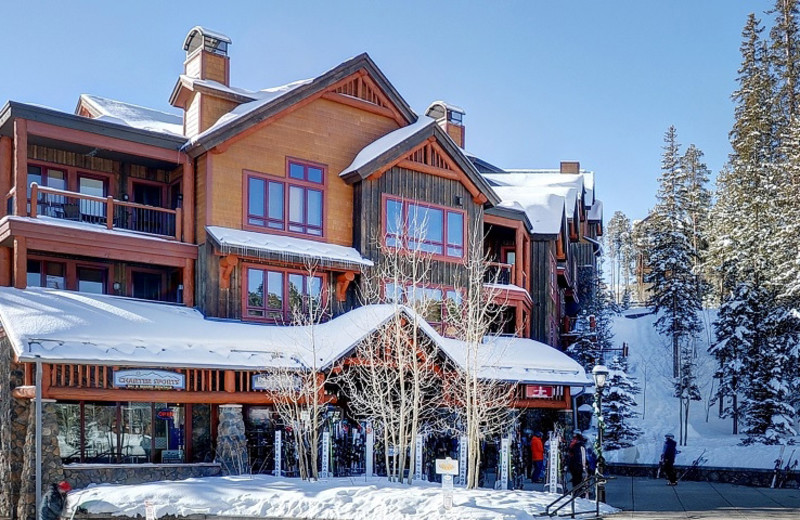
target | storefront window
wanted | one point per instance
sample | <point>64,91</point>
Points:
<point>137,432</point>
<point>100,426</point>
<point>168,433</point>
<point>68,417</point>
<point>201,433</point>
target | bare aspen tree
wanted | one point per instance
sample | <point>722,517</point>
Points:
<point>394,378</point>
<point>297,388</point>
<point>483,403</point>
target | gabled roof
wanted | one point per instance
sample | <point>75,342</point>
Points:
<point>71,327</point>
<point>396,146</point>
<point>545,210</point>
<point>272,101</point>
<point>113,111</point>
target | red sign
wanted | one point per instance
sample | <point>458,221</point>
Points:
<point>539,392</point>
<point>165,413</point>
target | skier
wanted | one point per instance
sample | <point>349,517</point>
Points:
<point>537,456</point>
<point>54,501</point>
<point>668,459</point>
<point>576,459</point>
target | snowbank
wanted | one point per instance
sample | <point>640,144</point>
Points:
<point>340,498</point>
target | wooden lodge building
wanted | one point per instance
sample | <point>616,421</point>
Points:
<point>149,262</point>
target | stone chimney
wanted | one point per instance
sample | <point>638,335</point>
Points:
<point>205,101</point>
<point>450,118</point>
<point>570,167</point>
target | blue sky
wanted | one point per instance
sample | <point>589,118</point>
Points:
<point>541,82</point>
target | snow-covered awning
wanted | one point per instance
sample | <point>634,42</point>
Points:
<point>70,327</point>
<point>280,247</point>
<point>136,116</point>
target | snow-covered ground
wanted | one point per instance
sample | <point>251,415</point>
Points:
<point>338,498</point>
<point>651,361</point>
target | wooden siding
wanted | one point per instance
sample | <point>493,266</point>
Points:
<point>121,172</point>
<point>211,109</point>
<point>191,117</point>
<point>325,132</point>
<point>544,308</point>
<point>417,186</point>
<point>201,170</point>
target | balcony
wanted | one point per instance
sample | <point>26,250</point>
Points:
<point>500,274</point>
<point>104,211</point>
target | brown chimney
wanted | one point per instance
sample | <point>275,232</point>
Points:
<point>450,118</point>
<point>570,167</point>
<point>207,56</point>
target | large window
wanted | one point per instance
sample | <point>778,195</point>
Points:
<point>131,432</point>
<point>436,303</point>
<point>294,206</point>
<point>421,227</point>
<point>276,296</point>
<point>67,274</point>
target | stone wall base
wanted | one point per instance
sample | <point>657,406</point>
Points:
<point>81,475</point>
<point>739,476</point>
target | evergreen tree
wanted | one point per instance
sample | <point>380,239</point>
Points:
<point>729,350</point>
<point>594,326</point>
<point>619,249</point>
<point>696,202</point>
<point>784,58</point>
<point>619,401</point>
<point>674,295</point>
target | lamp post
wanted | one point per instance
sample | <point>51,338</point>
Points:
<point>600,375</point>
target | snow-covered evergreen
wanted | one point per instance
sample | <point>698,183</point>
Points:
<point>619,402</point>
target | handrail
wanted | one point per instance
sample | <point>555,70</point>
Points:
<point>594,480</point>
<point>501,266</point>
<point>110,204</point>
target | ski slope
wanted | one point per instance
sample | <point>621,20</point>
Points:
<point>650,361</point>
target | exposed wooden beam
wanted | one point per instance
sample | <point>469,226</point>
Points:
<point>6,170</point>
<point>430,170</point>
<point>360,104</point>
<point>103,142</point>
<point>20,262</point>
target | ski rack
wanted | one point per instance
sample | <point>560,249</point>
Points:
<point>570,496</point>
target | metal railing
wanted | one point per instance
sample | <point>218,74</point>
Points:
<point>105,211</point>
<point>500,273</point>
<point>569,497</point>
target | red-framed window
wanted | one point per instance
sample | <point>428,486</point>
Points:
<point>294,205</point>
<point>436,230</point>
<point>437,302</point>
<point>68,274</point>
<point>274,295</point>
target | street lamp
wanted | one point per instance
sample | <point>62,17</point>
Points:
<point>600,375</point>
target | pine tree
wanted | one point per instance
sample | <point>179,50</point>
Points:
<point>620,253</point>
<point>729,350</point>
<point>784,58</point>
<point>619,401</point>
<point>594,327</point>
<point>696,203</point>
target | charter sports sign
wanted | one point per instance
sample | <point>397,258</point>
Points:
<point>147,379</point>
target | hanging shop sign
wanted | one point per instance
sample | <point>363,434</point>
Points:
<point>539,392</point>
<point>276,382</point>
<point>148,379</point>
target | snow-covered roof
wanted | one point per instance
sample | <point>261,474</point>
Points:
<point>595,213</point>
<point>519,360</point>
<point>265,245</point>
<point>220,87</point>
<point>133,115</point>
<point>205,31</point>
<point>262,97</point>
<point>71,327</point>
<point>375,149</point>
<point>569,185</point>
<point>545,210</point>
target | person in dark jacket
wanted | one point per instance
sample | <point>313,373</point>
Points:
<point>54,501</point>
<point>576,455</point>
<point>668,459</point>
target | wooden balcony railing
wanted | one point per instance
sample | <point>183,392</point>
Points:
<point>104,211</point>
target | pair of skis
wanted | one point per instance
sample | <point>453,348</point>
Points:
<point>700,460</point>
<point>779,477</point>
